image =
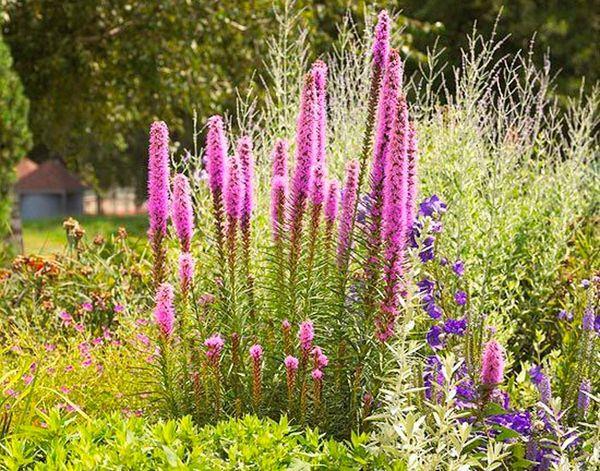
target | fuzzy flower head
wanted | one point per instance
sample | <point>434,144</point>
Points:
<point>381,43</point>
<point>244,150</point>
<point>214,347</point>
<point>321,360</point>
<point>182,211</point>
<point>256,352</point>
<point>279,191</point>
<point>216,154</point>
<point>234,188</point>
<point>317,375</point>
<point>306,335</point>
<point>164,312</point>
<point>291,363</point>
<point>349,197</point>
<point>319,173</point>
<point>186,270</point>
<point>158,178</point>
<point>332,202</point>
<point>280,159</point>
<point>492,367</point>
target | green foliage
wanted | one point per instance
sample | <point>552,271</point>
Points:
<point>132,443</point>
<point>15,138</point>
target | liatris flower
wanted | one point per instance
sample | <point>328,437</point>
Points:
<point>492,367</point>
<point>317,376</point>
<point>349,197</point>
<point>393,219</point>
<point>291,367</point>
<point>583,397</point>
<point>332,202</point>
<point>216,155</point>
<point>244,150</point>
<point>158,178</point>
<point>164,312</point>
<point>411,193</point>
<point>182,211</point>
<point>306,335</point>
<point>386,117</point>
<point>279,190</point>
<point>319,173</point>
<point>381,44</point>
<point>256,354</point>
<point>280,160</point>
<point>214,347</point>
<point>186,272</point>
<point>158,194</point>
<point>320,359</point>
<point>234,189</point>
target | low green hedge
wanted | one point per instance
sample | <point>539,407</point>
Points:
<point>69,442</point>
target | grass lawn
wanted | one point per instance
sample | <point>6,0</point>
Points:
<point>46,236</point>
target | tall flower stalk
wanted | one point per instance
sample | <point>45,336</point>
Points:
<point>246,157</point>
<point>158,195</point>
<point>182,211</point>
<point>331,212</point>
<point>256,355</point>
<point>216,157</point>
<point>305,150</point>
<point>349,197</point>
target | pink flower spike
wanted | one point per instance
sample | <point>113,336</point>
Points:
<point>158,178</point>
<point>244,150</point>
<point>279,191</point>
<point>492,364</point>
<point>164,312</point>
<point>280,160</point>
<point>332,202</point>
<point>216,155</point>
<point>256,352</point>
<point>381,44</point>
<point>291,363</point>
<point>233,188</point>
<point>183,212</point>
<point>214,346</point>
<point>306,335</point>
<point>186,271</point>
<point>317,375</point>
<point>349,197</point>
<point>319,173</point>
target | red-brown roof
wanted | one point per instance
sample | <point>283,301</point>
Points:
<point>50,176</point>
<point>25,167</point>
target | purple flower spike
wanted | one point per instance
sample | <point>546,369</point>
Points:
<point>158,178</point>
<point>589,319</point>
<point>583,397</point>
<point>244,150</point>
<point>233,188</point>
<point>319,173</point>
<point>280,160</point>
<point>183,212</point>
<point>492,368</point>
<point>279,191</point>
<point>164,312</point>
<point>381,44</point>
<point>332,202</point>
<point>216,155</point>
<point>348,204</point>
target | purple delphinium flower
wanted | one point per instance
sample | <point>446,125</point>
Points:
<point>519,421</point>
<point>332,202</point>
<point>244,150</point>
<point>164,312</point>
<point>541,382</point>
<point>458,267</point>
<point>492,365</point>
<point>435,312</point>
<point>306,335</point>
<point>588,320</point>
<point>455,326</point>
<point>278,197</point>
<point>158,178</point>
<point>583,397</point>
<point>426,286</point>
<point>381,42</point>
<point>433,337</point>
<point>216,155</point>
<point>432,375</point>
<point>411,193</point>
<point>565,315</point>
<point>182,211</point>
<point>432,206</point>
<point>427,251</point>
<point>386,117</point>
<point>319,172</point>
<point>460,298</point>
<point>346,218</point>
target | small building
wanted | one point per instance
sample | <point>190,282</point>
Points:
<point>48,190</point>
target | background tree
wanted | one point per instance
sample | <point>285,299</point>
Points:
<point>15,138</point>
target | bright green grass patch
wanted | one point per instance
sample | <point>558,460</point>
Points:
<point>47,236</point>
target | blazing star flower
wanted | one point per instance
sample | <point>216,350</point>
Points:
<point>460,298</point>
<point>256,352</point>
<point>186,270</point>
<point>279,191</point>
<point>234,188</point>
<point>216,155</point>
<point>306,335</point>
<point>214,346</point>
<point>433,337</point>
<point>492,365</point>
<point>164,312</point>
<point>455,326</point>
<point>244,150</point>
<point>321,359</point>
<point>458,267</point>
<point>583,397</point>
<point>565,315</point>
<point>381,43</point>
<point>432,206</point>
<point>332,201</point>
<point>158,178</point>
<point>291,363</point>
<point>348,204</point>
<point>317,375</point>
<point>319,172</point>
<point>182,211</point>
